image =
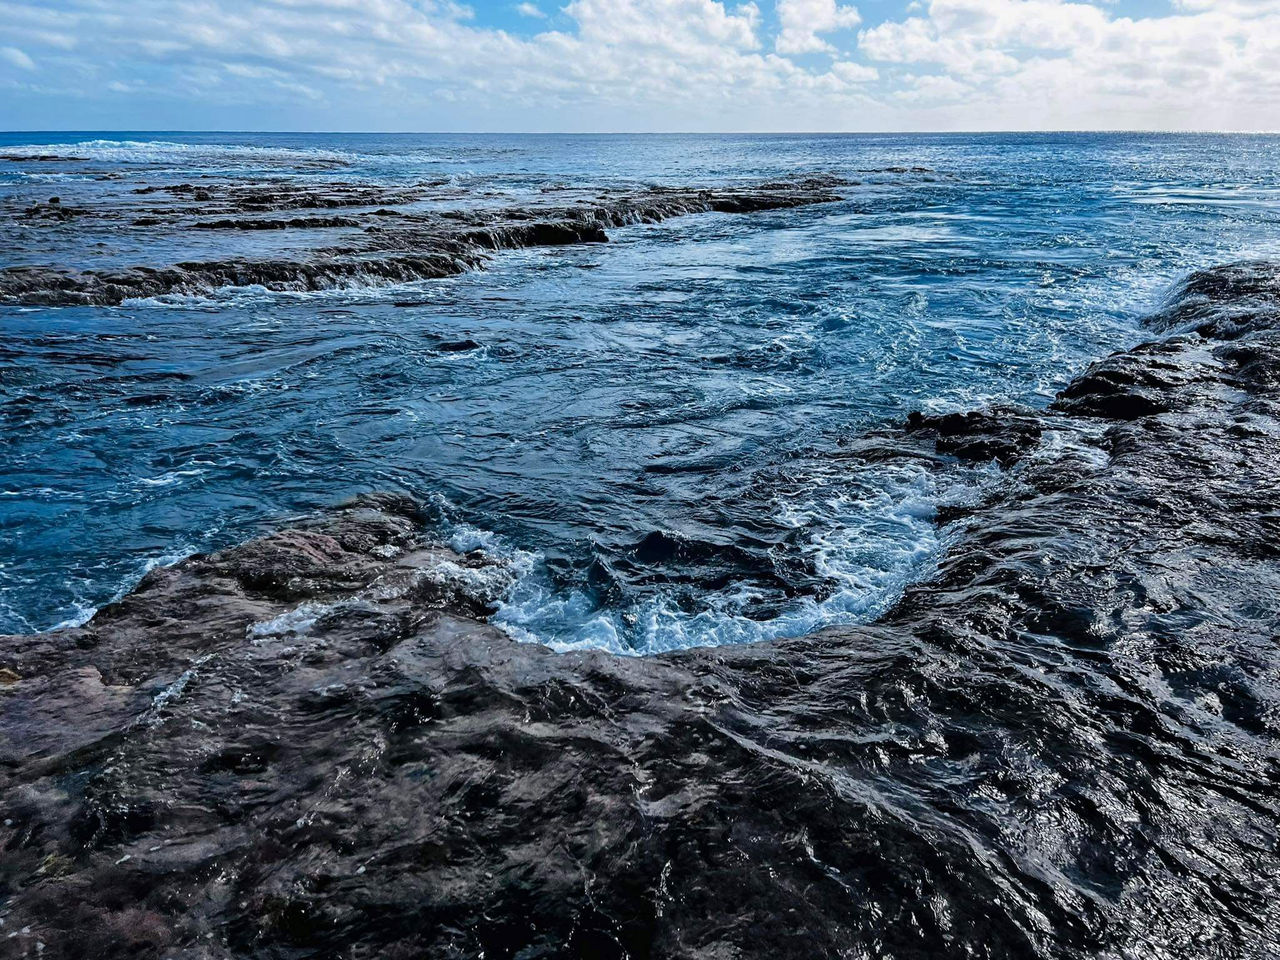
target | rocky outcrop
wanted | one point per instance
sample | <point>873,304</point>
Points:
<point>1000,434</point>
<point>53,210</point>
<point>280,195</point>
<point>1065,744</point>
<point>382,246</point>
<point>292,223</point>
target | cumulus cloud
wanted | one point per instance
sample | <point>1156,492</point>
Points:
<point>1054,62</point>
<point>643,64</point>
<point>691,26</point>
<point>934,89</point>
<point>530,10</point>
<point>803,21</point>
<point>668,58</point>
<point>855,72</point>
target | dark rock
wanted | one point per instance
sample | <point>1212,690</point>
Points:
<point>293,223</point>
<point>54,210</point>
<point>1256,361</point>
<point>1225,302</point>
<point>396,249</point>
<point>46,158</point>
<point>457,346</point>
<point>1136,383</point>
<point>537,234</point>
<point>1063,744</point>
<point>1000,434</point>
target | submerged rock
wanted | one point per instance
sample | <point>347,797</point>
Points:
<point>1066,743</point>
<point>391,246</point>
<point>52,211</point>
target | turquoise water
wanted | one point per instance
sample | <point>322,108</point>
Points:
<point>653,431</point>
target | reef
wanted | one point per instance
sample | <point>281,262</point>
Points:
<point>52,210</point>
<point>1065,743</point>
<point>378,246</point>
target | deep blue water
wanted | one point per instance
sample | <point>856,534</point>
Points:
<point>651,429</point>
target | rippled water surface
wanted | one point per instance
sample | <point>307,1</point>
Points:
<point>651,429</point>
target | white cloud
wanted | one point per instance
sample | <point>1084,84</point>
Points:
<point>934,89</point>
<point>655,64</point>
<point>803,20</point>
<point>16,57</point>
<point>1236,8</point>
<point>691,26</point>
<point>855,72</point>
<point>671,59</point>
<point>1056,63</point>
<point>530,10</point>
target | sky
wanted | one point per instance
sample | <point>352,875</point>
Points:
<point>639,65</point>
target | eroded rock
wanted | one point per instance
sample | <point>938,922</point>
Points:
<point>1002,434</point>
<point>390,247</point>
<point>1065,743</point>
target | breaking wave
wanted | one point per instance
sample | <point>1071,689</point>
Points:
<point>221,155</point>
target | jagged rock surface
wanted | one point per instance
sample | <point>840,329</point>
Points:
<point>381,246</point>
<point>1065,744</point>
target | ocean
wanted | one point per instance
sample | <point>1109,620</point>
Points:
<point>978,436</point>
<point>651,431</point>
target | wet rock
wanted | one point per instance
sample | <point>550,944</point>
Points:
<point>1001,434</point>
<point>1256,362</point>
<point>457,346</point>
<point>56,287</point>
<point>284,196</point>
<point>294,223</point>
<point>393,247</point>
<point>1137,383</point>
<point>45,158</point>
<point>1065,743</point>
<point>61,713</point>
<point>188,191</point>
<point>1224,303</point>
<point>52,211</point>
<point>538,234</point>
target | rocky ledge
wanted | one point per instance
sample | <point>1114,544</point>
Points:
<point>383,245</point>
<point>1065,744</point>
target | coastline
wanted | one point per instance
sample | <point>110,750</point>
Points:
<point>383,242</point>
<point>207,767</point>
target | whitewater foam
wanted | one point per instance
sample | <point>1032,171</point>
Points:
<point>293,622</point>
<point>866,542</point>
<point>159,152</point>
<point>164,151</point>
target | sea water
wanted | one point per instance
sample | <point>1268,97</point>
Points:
<point>655,432</point>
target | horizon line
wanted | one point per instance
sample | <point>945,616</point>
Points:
<point>651,133</point>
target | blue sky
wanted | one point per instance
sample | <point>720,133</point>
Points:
<point>639,65</point>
